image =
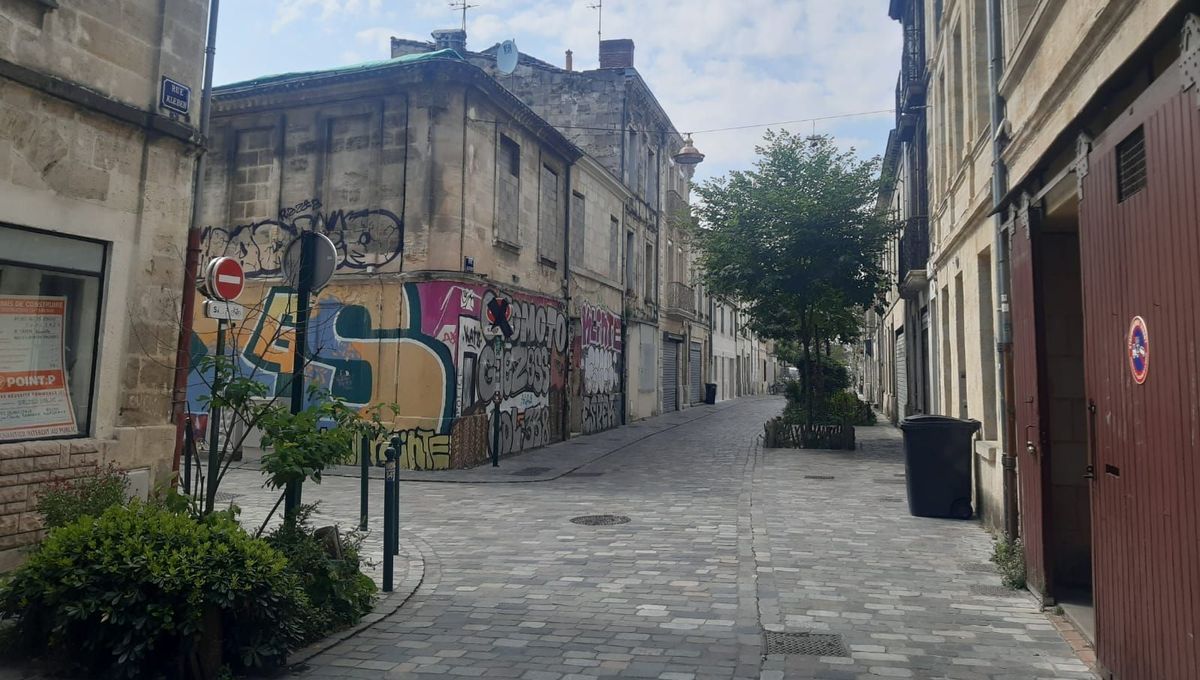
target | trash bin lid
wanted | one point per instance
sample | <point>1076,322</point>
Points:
<point>923,421</point>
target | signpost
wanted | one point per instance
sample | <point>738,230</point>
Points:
<point>308,264</point>
<point>223,282</point>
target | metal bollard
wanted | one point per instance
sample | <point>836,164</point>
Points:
<point>389,521</point>
<point>393,508</point>
<point>364,487</point>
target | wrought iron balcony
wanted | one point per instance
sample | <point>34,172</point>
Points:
<point>681,299</point>
<point>911,85</point>
<point>914,256</point>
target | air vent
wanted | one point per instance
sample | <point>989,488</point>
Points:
<point>1131,165</point>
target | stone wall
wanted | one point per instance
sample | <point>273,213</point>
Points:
<point>73,167</point>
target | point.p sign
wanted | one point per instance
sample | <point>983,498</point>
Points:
<point>224,279</point>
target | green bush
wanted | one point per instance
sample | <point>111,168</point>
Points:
<point>328,567</point>
<point>1009,556</point>
<point>845,408</point>
<point>141,592</point>
<point>64,501</point>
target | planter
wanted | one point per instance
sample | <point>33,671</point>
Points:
<point>781,435</point>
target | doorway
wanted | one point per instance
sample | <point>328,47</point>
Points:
<point>1068,494</point>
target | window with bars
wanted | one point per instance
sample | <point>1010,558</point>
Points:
<point>1131,165</point>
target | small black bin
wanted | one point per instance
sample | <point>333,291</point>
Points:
<point>937,465</point>
<point>710,393</point>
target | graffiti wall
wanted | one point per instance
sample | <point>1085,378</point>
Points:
<point>452,355</point>
<point>599,351</point>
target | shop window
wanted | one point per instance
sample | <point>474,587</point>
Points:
<point>50,289</point>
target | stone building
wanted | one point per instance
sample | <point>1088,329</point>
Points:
<point>1063,157</point>
<point>95,199</point>
<point>444,195</point>
<point>613,116</point>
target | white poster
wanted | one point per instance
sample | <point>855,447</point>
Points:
<point>34,401</point>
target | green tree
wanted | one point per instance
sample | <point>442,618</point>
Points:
<point>798,241</point>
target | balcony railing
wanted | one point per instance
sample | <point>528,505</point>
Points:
<point>681,298</point>
<point>910,85</point>
<point>914,251</point>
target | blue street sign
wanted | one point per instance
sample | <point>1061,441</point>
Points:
<point>175,96</point>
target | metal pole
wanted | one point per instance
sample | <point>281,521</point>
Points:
<point>364,488</point>
<point>214,423</point>
<point>303,293</point>
<point>395,510</point>
<point>496,413</point>
<point>187,455</point>
<point>389,520</point>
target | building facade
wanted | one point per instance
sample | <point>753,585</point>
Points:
<point>95,201</point>
<point>1061,188</point>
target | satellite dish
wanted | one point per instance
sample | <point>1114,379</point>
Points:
<point>506,57</point>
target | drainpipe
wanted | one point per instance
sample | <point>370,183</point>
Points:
<point>566,258</point>
<point>1003,317</point>
<point>192,261</point>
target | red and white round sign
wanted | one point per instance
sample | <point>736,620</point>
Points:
<point>224,279</point>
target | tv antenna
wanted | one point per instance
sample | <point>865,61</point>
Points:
<point>463,6</point>
<point>599,7</point>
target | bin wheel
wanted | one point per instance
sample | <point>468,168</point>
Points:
<point>961,509</point>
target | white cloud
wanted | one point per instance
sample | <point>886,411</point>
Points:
<point>291,11</point>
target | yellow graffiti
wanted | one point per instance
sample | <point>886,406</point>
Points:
<point>424,450</point>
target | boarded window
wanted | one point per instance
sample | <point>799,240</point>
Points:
<point>550,228</point>
<point>630,262</point>
<point>1131,164</point>
<point>578,229</point>
<point>651,179</point>
<point>508,189</point>
<point>614,246</point>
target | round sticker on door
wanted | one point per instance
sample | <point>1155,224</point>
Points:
<point>1139,349</point>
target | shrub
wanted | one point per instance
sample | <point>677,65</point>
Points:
<point>1009,556</point>
<point>64,501</point>
<point>144,592</point>
<point>327,566</point>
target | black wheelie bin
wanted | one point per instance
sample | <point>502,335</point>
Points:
<point>937,465</point>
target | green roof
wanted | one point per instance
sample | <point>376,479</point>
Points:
<point>364,67</point>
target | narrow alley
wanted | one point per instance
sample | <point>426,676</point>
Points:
<point>727,545</point>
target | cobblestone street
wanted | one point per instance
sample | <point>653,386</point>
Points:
<point>725,542</point>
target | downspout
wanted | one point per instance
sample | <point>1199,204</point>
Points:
<point>192,259</point>
<point>1003,319</point>
<point>566,258</point>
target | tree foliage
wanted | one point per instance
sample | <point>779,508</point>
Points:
<point>797,241</point>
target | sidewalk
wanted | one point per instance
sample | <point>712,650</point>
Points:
<point>546,463</point>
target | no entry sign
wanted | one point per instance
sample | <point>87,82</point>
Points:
<point>224,279</point>
<point>1139,350</point>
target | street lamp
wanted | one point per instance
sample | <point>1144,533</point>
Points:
<point>689,155</point>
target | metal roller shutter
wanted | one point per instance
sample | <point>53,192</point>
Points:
<point>694,373</point>
<point>670,376</point>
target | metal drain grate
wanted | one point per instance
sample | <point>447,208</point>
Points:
<point>977,567</point>
<point>223,497</point>
<point>819,477</point>
<point>891,499</point>
<point>806,644</point>
<point>890,480</point>
<point>992,591</point>
<point>530,471</point>
<point>600,520</point>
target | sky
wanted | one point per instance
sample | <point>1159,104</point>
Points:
<point>711,63</point>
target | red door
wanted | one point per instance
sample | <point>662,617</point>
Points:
<point>1140,249</point>
<point>1027,401</point>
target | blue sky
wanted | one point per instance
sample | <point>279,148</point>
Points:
<point>712,63</point>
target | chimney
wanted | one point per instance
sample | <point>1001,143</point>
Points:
<point>570,61</point>
<point>450,39</point>
<point>616,53</point>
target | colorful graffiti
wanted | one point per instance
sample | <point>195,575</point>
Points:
<point>367,237</point>
<point>600,348</point>
<point>428,347</point>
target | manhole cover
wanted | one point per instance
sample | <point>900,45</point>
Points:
<point>818,476</point>
<point>806,644</point>
<point>600,520</point>
<point>992,591</point>
<point>586,474</point>
<point>530,472</point>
